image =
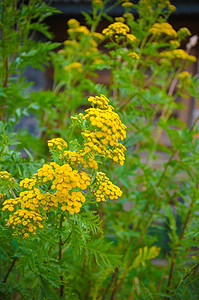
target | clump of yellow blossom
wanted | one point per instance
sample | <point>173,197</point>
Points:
<point>5,175</point>
<point>159,29</point>
<point>101,101</point>
<point>174,44</point>
<point>27,183</point>
<point>184,77</point>
<point>178,54</point>
<point>25,222</point>
<point>98,35</point>
<point>120,19</point>
<point>57,144</point>
<point>97,3</point>
<point>183,33</point>
<point>64,185</point>
<point>117,28</point>
<point>79,30</point>
<point>128,16</point>
<point>6,182</point>
<point>105,129</point>
<point>74,66</point>
<point>67,186</point>
<point>10,204</point>
<point>105,189</point>
<point>80,158</point>
<point>127,4</point>
<point>73,23</point>
<point>133,55</point>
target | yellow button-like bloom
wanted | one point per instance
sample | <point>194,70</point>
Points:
<point>117,28</point>
<point>105,189</point>
<point>159,29</point>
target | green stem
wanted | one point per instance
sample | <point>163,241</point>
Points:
<point>176,252</point>
<point>60,253</point>
<point>9,270</point>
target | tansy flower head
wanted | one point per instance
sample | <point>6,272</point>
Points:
<point>127,4</point>
<point>73,23</point>
<point>178,54</point>
<point>174,44</point>
<point>183,33</point>
<point>159,29</point>
<point>105,189</point>
<point>74,66</point>
<point>97,3</point>
<point>184,77</point>
<point>25,222</point>
<point>120,19</point>
<point>117,28</point>
<point>57,144</point>
<point>133,55</point>
<point>105,129</point>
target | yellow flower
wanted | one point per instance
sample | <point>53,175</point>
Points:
<point>105,189</point>
<point>127,4</point>
<point>73,23</point>
<point>120,19</point>
<point>117,28</point>
<point>57,144</point>
<point>74,66</point>
<point>184,77</point>
<point>174,43</point>
<point>159,29</point>
<point>178,54</point>
<point>183,33</point>
<point>97,3</point>
<point>106,129</point>
<point>131,37</point>
<point>133,55</point>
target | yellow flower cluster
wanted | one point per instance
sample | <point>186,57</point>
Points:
<point>6,182</point>
<point>133,55</point>
<point>73,23</point>
<point>117,28</point>
<point>65,190</point>
<point>105,189</point>
<point>75,28</point>
<point>174,43</point>
<point>127,4</point>
<point>98,3</point>
<point>120,19</point>
<point>178,54</point>
<point>98,36</point>
<point>27,183</point>
<point>131,37</point>
<point>74,66</point>
<point>163,28</point>
<point>25,222</point>
<point>101,101</point>
<point>78,158</point>
<point>5,175</point>
<point>57,144</point>
<point>184,77</point>
<point>64,186</point>
<point>183,33</point>
<point>10,203</point>
<point>106,129</point>
<point>67,185</point>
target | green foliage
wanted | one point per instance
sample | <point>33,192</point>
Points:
<point>145,244</point>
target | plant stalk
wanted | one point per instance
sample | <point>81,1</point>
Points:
<point>9,270</point>
<point>60,254</point>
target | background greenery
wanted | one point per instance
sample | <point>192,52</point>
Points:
<point>144,245</point>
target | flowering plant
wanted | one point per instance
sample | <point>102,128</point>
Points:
<point>60,234</point>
